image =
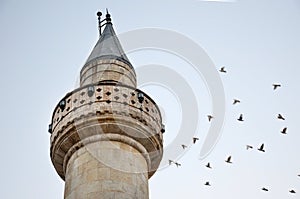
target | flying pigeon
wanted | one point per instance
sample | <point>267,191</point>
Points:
<point>170,162</point>
<point>284,130</point>
<point>177,164</point>
<point>265,189</point>
<point>235,101</point>
<point>228,160</point>
<point>210,117</point>
<point>261,148</point>
<point>249,147</point>
<point>280,117</point>
<point>275,86</point>
<point>207,183</point>
<point>208,165</point>
<point>183,146</point>
<point>195,140</point>
<point>292,191</point>
<point>240,118</point>
<point>222,70</point>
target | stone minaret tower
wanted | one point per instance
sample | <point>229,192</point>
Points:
<point>106,135</point>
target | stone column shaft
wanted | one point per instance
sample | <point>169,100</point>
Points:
<point>106,169</point>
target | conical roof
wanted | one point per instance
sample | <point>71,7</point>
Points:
<point>108,47</point>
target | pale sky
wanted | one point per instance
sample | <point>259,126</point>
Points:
<point>44,44</point>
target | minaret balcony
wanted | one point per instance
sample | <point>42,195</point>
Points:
<point>105,108</point>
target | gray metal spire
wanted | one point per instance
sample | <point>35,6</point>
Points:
<point>108,45</point>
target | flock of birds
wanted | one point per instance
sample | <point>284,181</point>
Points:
<point>228,160</point>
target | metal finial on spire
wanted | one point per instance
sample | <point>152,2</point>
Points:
<point>108,19</point>
<point>103,22</point>
<point>99,21</point>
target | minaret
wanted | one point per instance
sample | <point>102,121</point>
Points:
<point>106,135</point>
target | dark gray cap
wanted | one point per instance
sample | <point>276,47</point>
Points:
<point>108,47</point>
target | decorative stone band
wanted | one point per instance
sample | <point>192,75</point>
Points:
<point>108,70</point>
<point>107,137</point>
<point>105,108</point>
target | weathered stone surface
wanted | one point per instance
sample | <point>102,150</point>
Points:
<point>108,70</point>
<point>122,172</point>
<point>74,127</point>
